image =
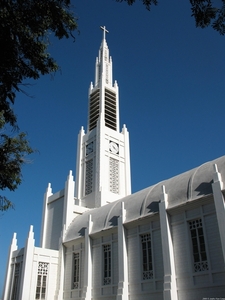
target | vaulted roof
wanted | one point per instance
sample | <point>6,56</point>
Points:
<point>185,187</point>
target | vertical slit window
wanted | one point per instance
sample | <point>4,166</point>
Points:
<point>16,281</point>
<point>106,264</point>
<point>41,280</point>
<point>147,267</point>
<point>198,246</point>
<point>76,270</point>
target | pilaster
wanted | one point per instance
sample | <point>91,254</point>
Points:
<point>44,215</point>
<point>79,169</point>
<point>217,187</point>
<point>86,294</point>
<point>100,162</point>
<point>127,160</point>
<point>170,288</point>
<point>8,280</point>
<point>61,268</point>
<point>122,292</point>
<point>27,267</point>
<point>68,201</point>
<point>116,87</point>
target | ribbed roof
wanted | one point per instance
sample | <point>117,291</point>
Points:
<point>190,185</point>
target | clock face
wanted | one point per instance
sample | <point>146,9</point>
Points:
<point>113,147</point>
<point>89,148</point>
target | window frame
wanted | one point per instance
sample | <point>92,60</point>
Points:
<point>198,245</point>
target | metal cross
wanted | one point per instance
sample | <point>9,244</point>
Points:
<point>104,31</point>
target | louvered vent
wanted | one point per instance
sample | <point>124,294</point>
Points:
<point>94,109</point>
<point>110,109</point>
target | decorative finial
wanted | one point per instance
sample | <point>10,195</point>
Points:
<point>104,31</point>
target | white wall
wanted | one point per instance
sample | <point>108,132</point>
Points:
<point>54,223</point>
<point>190,284</point>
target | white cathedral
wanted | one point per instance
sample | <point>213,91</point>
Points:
<point>100,242</point>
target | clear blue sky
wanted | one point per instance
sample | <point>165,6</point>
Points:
<point>172,98</point>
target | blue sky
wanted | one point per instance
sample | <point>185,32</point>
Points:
<point>171,78</point>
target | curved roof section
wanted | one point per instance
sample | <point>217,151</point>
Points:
<point>190,185</point>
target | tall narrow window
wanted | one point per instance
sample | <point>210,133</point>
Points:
<point>41,280</point>
<point>76,270</point>
<point>16,281</point>
<point>147,268</point>
<point>198,245</point>
<point>106,264</point>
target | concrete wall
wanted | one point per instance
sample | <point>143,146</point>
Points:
<point>54,222</point>
<point>190,285</point>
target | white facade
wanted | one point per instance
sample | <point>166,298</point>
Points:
<point>98,241</point>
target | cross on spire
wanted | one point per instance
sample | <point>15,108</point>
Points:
<point>104,31</point>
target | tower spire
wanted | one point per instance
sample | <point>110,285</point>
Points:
<point>103,157</point>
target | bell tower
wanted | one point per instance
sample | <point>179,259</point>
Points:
<point>103,154</point>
